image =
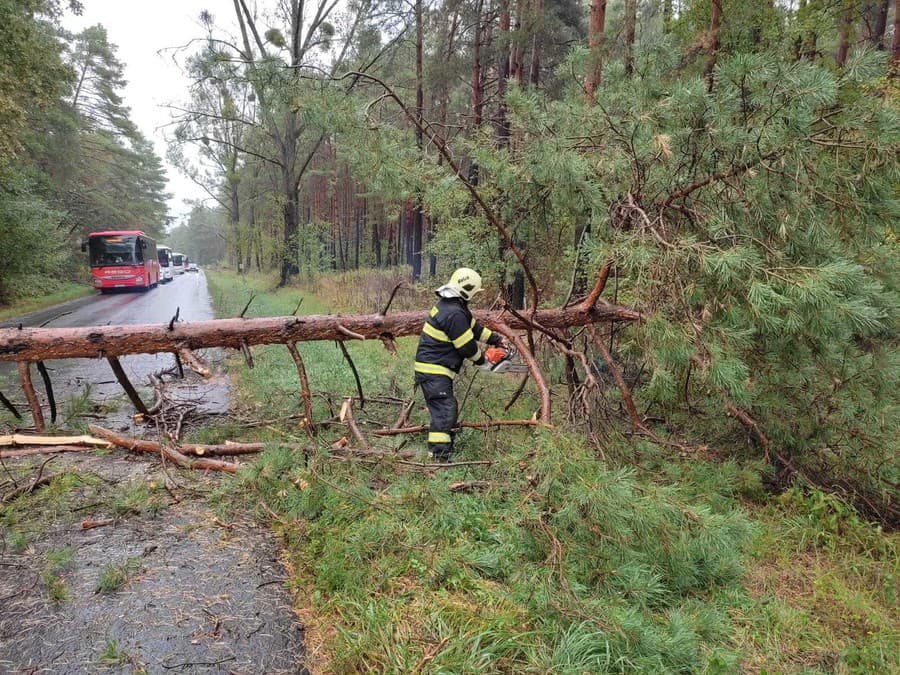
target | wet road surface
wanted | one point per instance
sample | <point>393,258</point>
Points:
<point>93,378</point>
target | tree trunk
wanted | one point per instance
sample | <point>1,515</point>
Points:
<point>712,48</point>
<point>503,76</point>
<point>289,258</point>
<point>845,31</point>
<point>477,91</point>
<point>41,344</point>
<point>630,21</point>
<point>534,69</point>
<point>667,16</point>
<point>894,68</point>
<point>420,105</point>
<point>596,30</point>
<point>875,14</point>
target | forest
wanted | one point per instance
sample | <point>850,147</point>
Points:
<point>727,169</point>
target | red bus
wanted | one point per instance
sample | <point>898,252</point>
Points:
<point>122,259</point>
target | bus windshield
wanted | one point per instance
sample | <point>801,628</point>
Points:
<point>163,255</point>
<point>177,259</point>
<point>115,250</point>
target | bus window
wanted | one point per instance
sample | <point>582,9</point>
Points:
<point>114,250</point>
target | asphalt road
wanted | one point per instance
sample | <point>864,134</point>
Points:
<point>186,294</point>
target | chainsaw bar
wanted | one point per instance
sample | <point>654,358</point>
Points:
<point>510,364</point>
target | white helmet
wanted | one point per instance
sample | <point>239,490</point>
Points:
<point>465,282</point>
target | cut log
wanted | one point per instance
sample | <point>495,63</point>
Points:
<point>171,454</point>
<point>25,439</point>
<point>32,344</point>
<point>179,457</point>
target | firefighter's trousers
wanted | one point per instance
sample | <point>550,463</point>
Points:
<point>442,406</point>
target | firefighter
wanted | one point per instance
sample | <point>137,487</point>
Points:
<point>449,336</point>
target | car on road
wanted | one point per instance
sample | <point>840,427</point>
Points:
<point>192,267</point>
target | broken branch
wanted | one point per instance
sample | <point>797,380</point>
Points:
<point>304,385</point>
<point>48,388</point>
<point>9,406</point>
<point>194,363</point>
<point>133,396</point>
<point>533,368</point>
<point>36,414</point>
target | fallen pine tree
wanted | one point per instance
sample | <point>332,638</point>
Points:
<point>25,345</point>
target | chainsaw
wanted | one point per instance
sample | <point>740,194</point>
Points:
<point>502,360</point>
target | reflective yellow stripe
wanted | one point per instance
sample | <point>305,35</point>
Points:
<point>485,334</point>
<point>436,333</point>
<point>438,437</point>
<point>476,355</point>
<point>434,311</point>
<point>433,369</point>
<point>472,325</point>
<point>464,339</point>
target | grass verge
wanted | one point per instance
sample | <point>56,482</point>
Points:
<point>553,561</point>
<point>67,291</point>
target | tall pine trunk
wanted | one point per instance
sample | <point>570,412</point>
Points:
<point>712,44</point>
<point>416,257</point>
<point>596,30</point>
<point>894,68</point>
<point>845,31</point>
<point>630,21</point>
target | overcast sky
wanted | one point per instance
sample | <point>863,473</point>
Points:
<point>147,35</point>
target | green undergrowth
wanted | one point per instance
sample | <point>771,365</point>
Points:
<point>551,559</point>
<point>556,563</point>
<point>62,291</point>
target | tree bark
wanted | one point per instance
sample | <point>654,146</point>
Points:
<point>595,46</point>
<point>630,22</point>
<point>503,76</point>
<point>845,31</point>
<point>32,344</point>
<point>712,49</point>
<point>477,92</point>
<point>420,107</point>
<point>875,14</point>
<point>894,68</point>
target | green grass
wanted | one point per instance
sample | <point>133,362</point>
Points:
<point>55,564</point>
<point>113,577</point>
<point>67,291</point>
<point>71,496</point>
<point>112,654</point>
<point>564,563</point>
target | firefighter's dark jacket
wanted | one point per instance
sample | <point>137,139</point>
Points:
<point>449,335</point>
